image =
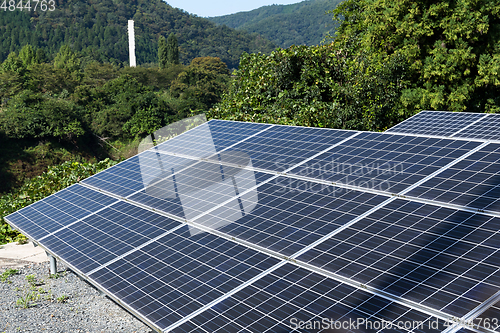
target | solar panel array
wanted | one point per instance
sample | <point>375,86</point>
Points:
<point>480,126</point>
<point>242,227</point>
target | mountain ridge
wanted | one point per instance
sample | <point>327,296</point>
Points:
<point>99,29</point>
<point>303,23</point>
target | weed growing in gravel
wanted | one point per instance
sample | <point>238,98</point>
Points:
<point>62,299</point>
<point>27,301</point>
<point>31,280</point>
<point>7,274</point>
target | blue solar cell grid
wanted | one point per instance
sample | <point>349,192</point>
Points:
<point>58,210</point>
<point>180,273</point>
<point>282,147</point>
<point>436,123</point>
<point>384,162</point>
<point>293,299</point>
<point>485,129</point>
<point>290,214</point>
<point>209,138</point>
<point>105,235</point>
<point>137,173</point>
<point>440,257</point>
<point>201,187</point>
<point>473,182</point>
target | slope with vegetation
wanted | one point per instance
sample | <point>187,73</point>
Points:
<point>77,109</point>
<point>389,60</point>
<point>99,30</point>
<point>303,23</point>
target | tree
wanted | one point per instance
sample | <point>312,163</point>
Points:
<point>172,49</point>
<point>28,56</point>
<point>162,52</point>
<point>318,86</point>
<point>67,59</point>
<point>453,48</point>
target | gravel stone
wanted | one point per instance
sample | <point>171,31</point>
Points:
<point>85,309</point>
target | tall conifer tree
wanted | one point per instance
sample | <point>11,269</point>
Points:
<point>172,49</point>
<point>162,52</point>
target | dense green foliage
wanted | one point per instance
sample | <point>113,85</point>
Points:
<point>303,23</point>
<point>453,47</point>
<point>55,179</point>
<point>80,103</point>
<point>99,30</point>
<point>66,99</point>
<point>389,60</point>
<point>314,86</point>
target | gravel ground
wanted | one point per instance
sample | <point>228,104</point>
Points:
<point>84,310</point>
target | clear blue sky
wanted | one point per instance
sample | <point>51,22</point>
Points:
<point>206,8</point>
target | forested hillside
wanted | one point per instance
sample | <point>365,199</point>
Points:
<point>98,28</point>
<point>303,23</point>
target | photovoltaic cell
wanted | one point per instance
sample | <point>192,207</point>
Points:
<point>210,138</point>
<point>180,273</point>
<point>485,129</point>
<point>200,187</point>
<point>290,214</point>
<point>442,258</point>
<point>290,297</point>
<point>282,147</point>
<point>384,162</point>
<point>137,173</point>
<point>473,182</point>
<point>436,123</point>
<point>58,210</point>
<point>105,235</point>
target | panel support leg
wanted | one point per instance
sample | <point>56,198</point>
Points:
<point>53,264</point>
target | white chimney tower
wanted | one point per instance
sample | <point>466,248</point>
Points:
<point>131,43</point>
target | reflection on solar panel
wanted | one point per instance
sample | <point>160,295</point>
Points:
<point>436,123</point>
<point>242,227</point>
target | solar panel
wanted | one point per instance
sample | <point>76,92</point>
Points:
<point>137,173</point>
<point>282,147</point>
<point>384,162</point>
<point>289,214</point>
<point>472,182</point>
<point>58,210</point>
<point>240,227</point>
<point>194,190</point>
<point>485,129</point>
<point>180,273</point>
<point>105,235</point>
<point>436,123</point>
<point>210,138</point>
<point>439,257</point>
<point>292,299</point>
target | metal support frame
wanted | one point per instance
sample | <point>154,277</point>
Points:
<point>53,264</point>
